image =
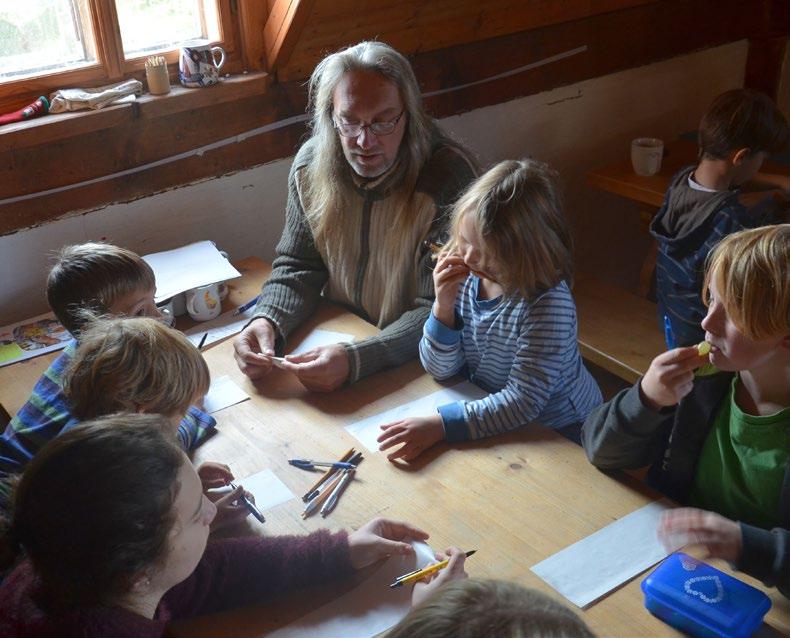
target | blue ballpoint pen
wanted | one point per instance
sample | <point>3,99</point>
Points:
<point>246,306</point>
<point>249,504</point>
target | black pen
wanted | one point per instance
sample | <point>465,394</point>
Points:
<point>202,341</point>
<point>250,505</point>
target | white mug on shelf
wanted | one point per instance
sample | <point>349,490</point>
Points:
<point>204,302</point>
<point>646,155</point>
<point>166,308</point>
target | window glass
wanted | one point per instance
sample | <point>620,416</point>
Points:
<point>42,36</point>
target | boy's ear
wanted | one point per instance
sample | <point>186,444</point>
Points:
<point>740,156</point>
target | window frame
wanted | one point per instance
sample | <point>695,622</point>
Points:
<point>111,64</point>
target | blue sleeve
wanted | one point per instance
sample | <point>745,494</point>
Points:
<point>195,427</point>
<point>441,350</point>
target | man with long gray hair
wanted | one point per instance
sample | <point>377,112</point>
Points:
<point>374,180</point>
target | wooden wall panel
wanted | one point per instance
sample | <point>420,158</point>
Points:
<point>615,40</point>
<point>416,25</point>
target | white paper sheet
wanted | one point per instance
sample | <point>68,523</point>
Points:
<point>321,338</point>
<point>594,566</point>
<point>31,338</point>
<point>187,267</point>
<point>267,489</point>
<point>369,609</point>
<point>222,394</point>
<point>226,325</point>
<point>367,430</point>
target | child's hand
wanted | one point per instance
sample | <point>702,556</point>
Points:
<point>213,475</point>
<point>231,510</point>
<point>449,274</point>
<point>454,571</point>
<point>721,537</point>
<point>416,433</point>
<point>670,377</point>
<point>380,538</point>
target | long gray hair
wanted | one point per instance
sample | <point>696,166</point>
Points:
<point>328,183</point>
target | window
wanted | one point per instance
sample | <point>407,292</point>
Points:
<point>50,44</point>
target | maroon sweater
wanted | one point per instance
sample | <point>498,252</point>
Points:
<point>232,573</point>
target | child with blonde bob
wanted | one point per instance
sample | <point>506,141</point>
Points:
<point>484,608</point>
<point>86,280</point>
<point>504,316</point>
<point>137,364</point>
<point>719,443</point>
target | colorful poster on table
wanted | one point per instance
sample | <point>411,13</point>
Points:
<point>31,338</point>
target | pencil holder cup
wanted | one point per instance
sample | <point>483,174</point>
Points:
<point>156,76</point>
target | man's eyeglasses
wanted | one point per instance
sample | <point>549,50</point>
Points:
<point>377,128</point>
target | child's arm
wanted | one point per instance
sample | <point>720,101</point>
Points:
<point>761,553</point>
<point>238,571</point>
<point>630,431</point>
<point>441,353</point>
<point>195,427</point>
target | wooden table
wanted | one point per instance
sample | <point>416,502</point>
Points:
<point>516,498</point>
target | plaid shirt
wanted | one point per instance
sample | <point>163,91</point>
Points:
<point>46,414</point>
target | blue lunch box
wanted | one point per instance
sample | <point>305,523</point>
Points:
<point>700,600</point>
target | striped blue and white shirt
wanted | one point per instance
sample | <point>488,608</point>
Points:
<point>524,352</point>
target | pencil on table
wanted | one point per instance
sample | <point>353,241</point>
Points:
<point>327,474</point>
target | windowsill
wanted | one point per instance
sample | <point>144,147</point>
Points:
<point>57,126</point>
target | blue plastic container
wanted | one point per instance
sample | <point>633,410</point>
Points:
<point>700,600</point>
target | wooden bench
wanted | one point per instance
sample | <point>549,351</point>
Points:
<point>618,331</point>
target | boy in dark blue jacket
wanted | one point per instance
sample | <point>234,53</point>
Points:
<point>703,203</point>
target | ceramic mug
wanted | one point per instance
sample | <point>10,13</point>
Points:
<point>203,302</point>
<point>166,308</point>
<point>197,64</point>
<point>646,154</point>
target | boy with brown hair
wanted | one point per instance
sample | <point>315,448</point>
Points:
<point>138,364</point>
<point>719,443</point>
<point>104,279</point>
<point>704,203</point>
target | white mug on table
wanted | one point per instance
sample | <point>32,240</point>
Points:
<point>646,155</point>
<point>204,302</point>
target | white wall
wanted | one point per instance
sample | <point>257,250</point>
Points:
<point>574,128</point>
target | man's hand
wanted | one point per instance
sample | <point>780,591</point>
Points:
<point>253,348</point>
<point>416,433</point>
<point>380,538</point>
<point>720,536</point>
<point>321,369</point>
<point>670,377</point>
<point>449,274</point>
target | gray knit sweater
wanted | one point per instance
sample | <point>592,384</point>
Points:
<point>398,303</point>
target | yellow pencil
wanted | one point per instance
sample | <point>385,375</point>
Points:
<point>422,573</point>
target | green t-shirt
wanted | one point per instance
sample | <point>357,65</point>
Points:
<point>743,463</point>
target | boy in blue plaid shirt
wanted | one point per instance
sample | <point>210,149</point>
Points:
<point>108,280</point>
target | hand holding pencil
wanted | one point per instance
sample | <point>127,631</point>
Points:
<point>423,589</point>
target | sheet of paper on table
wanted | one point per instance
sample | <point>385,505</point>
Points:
<point>594,566</point>
<point>367,610</point>
<point>367,430</point>
<point>321,338</point>
<point>188,267</point>
<point>226,325</point>
<point>268,490</point>
<point>31,338</point>
<point>222,394</point>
